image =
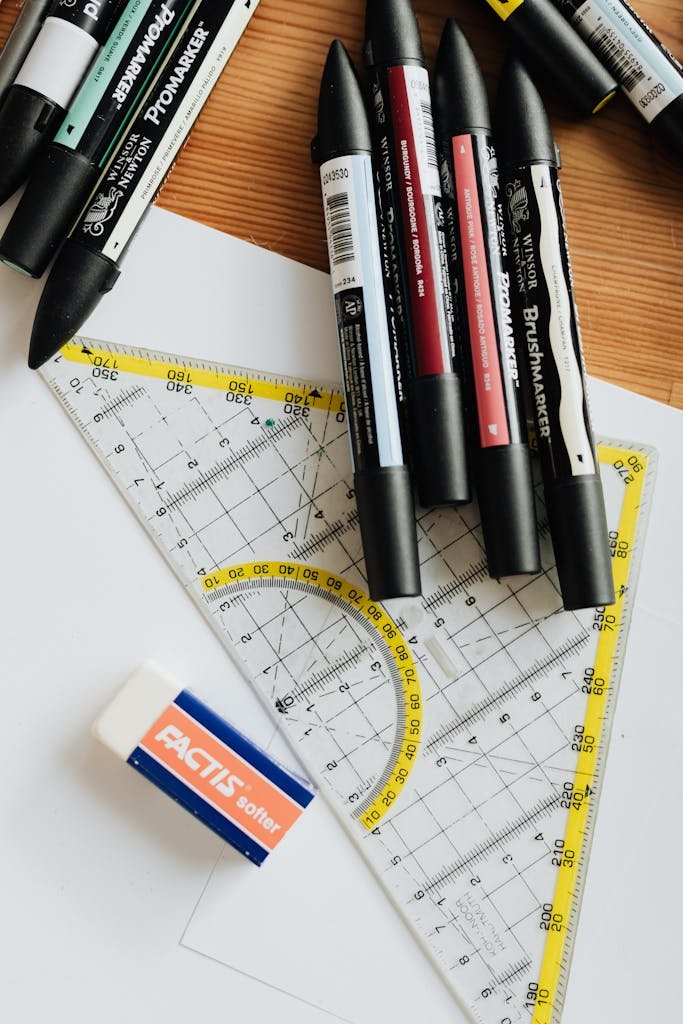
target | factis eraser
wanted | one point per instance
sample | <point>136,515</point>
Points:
<point>206,765</point>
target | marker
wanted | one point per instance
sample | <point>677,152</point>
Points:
<point>540,33</point>
<point>68,168</point>
<point>414,253</point>
<point>34,106</point>
<point>469,175</point>
<point>648,74</point>
<point>87,266</point>
<point>343,148</point>
<point>20,40</point>
<point>549,325</point>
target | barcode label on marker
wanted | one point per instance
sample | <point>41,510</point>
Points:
<point>417,86</point>
<point>647,74</point>
<point>340,204</point>
<point>623,64</point>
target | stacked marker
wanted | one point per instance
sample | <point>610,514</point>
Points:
<point>414,252</point>
<point>478,258</point>
<point>343,148</point>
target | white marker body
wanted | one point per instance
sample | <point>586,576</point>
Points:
<point>58,61</point>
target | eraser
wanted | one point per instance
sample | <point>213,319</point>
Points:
<point>202,762</point>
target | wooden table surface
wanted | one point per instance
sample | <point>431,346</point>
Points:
<point>246,170</point>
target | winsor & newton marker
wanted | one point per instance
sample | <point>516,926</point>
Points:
<point>384,496</point>
<point>548,323</point>
<point>87,265</point>
<point>20,40</point>
<point>649,75</point>
<point>540,33</point>
<point>469,173</point>
<point>414,253</point>
<point>67,170</point>
<point>66,44</point>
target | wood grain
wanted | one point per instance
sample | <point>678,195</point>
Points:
<point>247,171</point>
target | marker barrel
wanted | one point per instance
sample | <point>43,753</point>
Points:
<point>540,34</point>
<point>382,482</point>
<point>547,322</point>
<point>414,253</point>
<point>68,169</point>
<point>52,71</point>
<point>20,40</point>
<point>135,174</point>
<point>649,75</point>
<point>481,283</point>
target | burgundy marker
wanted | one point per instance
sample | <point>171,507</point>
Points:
<point>469,174</point>
<point>414,251</point>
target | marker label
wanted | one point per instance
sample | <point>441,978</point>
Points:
<point>475,241</point>
<point>549,322</point>
<point>114,84</point>
<point>419,192</point>
<point>92,16</point>
<point>649,76</point>
<point>163,122</point>
<point>57,60</point>
<point>355,268</point>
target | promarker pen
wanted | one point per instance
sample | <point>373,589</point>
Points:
<point>548,323</point>
<point>414,252</point>
<point>384,495</point>
<point>469,174</point>
<point>648,74</point>
<point>65,46</point>
<point>20,40</point>
<point>68,168</point>
<point>87,266</point>
<point>540,33</point>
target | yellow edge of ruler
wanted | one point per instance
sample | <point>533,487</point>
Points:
<point>191,373</point>
<point>342,590</point>
<point>577,838</point>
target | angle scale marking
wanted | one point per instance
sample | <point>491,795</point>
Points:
<point>461,737</point>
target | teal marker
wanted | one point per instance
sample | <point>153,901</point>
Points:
<point>138,47</point>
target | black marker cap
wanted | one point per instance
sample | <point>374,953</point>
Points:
<point>392,34</point>
<point>578,527</point>
<point>508,511</point>
<point>77,282</point>
<point>439,446</point>
<point>523,133</point>
<point>28,121</point>
<point>387,524</point>
<point>553,46</point>
<point>669,126</point>
<point>52,200</point>
<point>460,97</point>
<point>342,119</point>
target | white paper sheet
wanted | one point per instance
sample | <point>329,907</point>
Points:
<point>100,872</point>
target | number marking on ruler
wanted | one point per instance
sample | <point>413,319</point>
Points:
<point>461,737</point>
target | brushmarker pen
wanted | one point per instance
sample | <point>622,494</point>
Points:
<point>650,76</point>
<point>343,148</point>
<point>87,266</point>
<point>540,33</point>
<point>68,168</point>
<point>20,40</point>
<point>414,253</point>
<point>469,175</point>
<point>66,44</point>
<point>548,322</point>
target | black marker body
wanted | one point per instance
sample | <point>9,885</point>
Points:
<point>384,496</point>
<point>548,325</point>
<point>414,253</point>
<point>469,175</point>
<point>67,170</point>
<point>67,43</point>
<point>20,40</point>
<point>540,33</point>
<point>87,265</point>
<point>649,75</point>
